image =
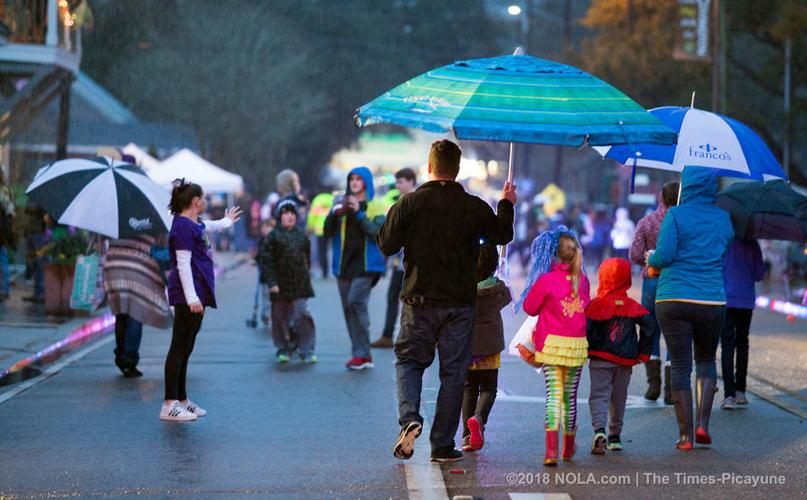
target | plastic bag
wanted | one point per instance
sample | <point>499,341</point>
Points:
<point>85,283</point>
<point>522,345</point>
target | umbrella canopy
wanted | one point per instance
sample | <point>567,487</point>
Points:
<point>102,195</point>
<point>517,98</point>
<point>771,211</point>
<point>705,139</point>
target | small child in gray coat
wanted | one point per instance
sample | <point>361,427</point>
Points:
<point>487,344</point>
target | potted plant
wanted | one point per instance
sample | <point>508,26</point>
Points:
<point>59,271</point>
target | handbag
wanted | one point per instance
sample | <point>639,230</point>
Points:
<point>522,345</point>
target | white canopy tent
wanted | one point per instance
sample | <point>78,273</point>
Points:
<point>143,159</point>
<point>193,168</point>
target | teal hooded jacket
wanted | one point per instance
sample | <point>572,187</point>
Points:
<point>692,242</point>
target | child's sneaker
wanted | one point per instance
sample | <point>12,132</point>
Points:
<point>309,359</point>
<point>357,363</point>
<point>477,437</point>
<point>194,408</point>
<point>728,403</point>
<point>176,412</point>
<point>466,443</point>
<point>283,358</point>
<point>598,446</point>
<point>614,443</point>
<point>740,399</point>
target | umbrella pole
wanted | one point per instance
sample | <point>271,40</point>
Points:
<point>504,268</point>
<point>510,163</point>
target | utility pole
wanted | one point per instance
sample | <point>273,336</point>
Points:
<point>786,146</point>
<point>567,26</point>
<point>629,17</point>
<point>717,62</point>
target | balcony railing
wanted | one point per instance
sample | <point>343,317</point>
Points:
<point>30,22</point>
<point>40,32</point>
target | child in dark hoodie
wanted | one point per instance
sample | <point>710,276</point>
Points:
<point>487,344</point>
<point>613,349</point>
<point>287,274</point>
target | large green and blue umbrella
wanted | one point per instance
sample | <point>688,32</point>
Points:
<point>517,98</point>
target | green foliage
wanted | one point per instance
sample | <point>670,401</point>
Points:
<point>273,85</point>
<point>66,249</point>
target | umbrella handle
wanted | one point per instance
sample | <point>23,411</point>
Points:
<point>510,163</point>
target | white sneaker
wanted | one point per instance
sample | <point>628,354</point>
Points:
<point>195,409</point>
<point>740,399</point>
<point>176,412</point>
<point>728,403</point>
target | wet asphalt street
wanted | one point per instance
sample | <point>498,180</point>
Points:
<point>303,431</point>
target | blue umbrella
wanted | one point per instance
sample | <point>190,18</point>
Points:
<point>705,139</point>
<point>517,98</point>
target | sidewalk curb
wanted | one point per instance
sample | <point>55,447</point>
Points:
<point>81,332</point>
<point>777,396</point>
<point>79,335</point>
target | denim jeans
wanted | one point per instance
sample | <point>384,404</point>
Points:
<point>5,277</point>
<point>423,328</point>
<point>686,325</point>
<point>735,338</point>
<point>355,295</point>
<point>649,286</point>
<point>128,334</point>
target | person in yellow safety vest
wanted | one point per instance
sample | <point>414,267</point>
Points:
<point>320,207</point>
<point>405,182</point>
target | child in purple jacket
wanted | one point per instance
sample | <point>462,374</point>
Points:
<point>190,289</point>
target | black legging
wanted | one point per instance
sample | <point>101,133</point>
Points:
<point>186,326</point>
<point>689,327</point>
<point>735,336</point>
<point>478,397</point>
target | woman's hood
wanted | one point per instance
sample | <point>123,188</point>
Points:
<point>698,185</point>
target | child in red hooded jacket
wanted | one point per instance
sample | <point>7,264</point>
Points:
<point>614,347</point>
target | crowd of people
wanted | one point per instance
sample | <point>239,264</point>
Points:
<point>441,244</point>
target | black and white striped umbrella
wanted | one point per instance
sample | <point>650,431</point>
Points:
<point>102,195</point>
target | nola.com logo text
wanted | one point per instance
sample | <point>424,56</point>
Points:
<point>708,152</point>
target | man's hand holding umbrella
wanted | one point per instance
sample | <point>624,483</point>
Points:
<point>509,192</point>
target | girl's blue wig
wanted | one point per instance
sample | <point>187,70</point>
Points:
<point>543,255</point>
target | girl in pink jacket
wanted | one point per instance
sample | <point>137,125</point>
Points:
<point>558,293</point>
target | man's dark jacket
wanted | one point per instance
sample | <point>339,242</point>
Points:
<point>439,227</point>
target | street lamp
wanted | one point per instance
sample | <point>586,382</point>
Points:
<point>515,10</point>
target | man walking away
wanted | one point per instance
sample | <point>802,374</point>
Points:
<point>439,227</point>
<point>405,182</point>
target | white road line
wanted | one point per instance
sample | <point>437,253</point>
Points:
<point>424,480</point>
<point>54,368</point>
<point>540,496</point>
<point>632,402</point>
